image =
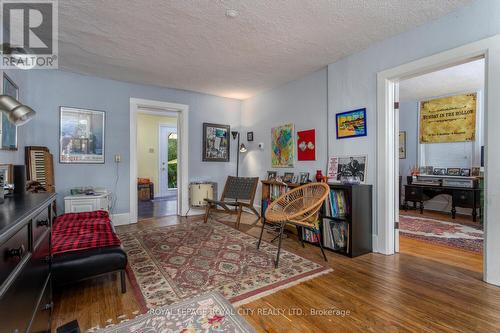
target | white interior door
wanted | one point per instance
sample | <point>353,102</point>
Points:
<point>167,169</point>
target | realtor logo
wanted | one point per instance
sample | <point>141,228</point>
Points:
<point>29,36</point>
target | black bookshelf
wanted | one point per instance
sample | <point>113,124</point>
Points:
<point>358,220</point>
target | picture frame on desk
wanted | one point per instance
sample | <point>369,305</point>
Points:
<point>454,171</point>
<point>288,177</point>
<point>304,177</point>
<point>271,175</point>
<point>465,172</point>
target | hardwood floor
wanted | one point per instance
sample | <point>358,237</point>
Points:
<point>435,289</point>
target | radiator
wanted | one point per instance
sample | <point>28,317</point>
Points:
<point>198,192</point>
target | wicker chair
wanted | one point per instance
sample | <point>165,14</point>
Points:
<point>299,207</point>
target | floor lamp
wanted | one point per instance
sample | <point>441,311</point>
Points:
<point>241,149</point>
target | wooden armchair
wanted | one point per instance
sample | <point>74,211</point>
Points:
<point>239,193</point>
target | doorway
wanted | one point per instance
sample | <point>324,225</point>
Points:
<point>175,195</point>
<point>167,167</point>
<point>387,145</point>
<point>441,177</point>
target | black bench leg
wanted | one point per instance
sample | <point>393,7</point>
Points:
<point>122,281</point>
<point>321,245</point>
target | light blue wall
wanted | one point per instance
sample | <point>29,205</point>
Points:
<point>352,81</point>
<point>408,121</point>
<point>17,157</point>
<point>301,102</point>
<point>47,90</point>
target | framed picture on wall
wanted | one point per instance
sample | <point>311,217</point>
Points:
<point>402,145</point>
<point>8,138</point>
<point>81,136</point>
<point>351,124</point>
<point>342,168</point>
<point>216,143</point>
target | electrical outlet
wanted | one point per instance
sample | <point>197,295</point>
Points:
<point>118,158</point>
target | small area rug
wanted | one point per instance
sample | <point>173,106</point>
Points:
<point>453,234</point>
<point>204,313</point>
<point>172,263</point>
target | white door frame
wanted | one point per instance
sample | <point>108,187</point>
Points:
<point>488,48</point>
<point>160,143</point>
<point>182,112</point>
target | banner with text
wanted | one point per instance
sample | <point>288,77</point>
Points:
<point>448,119</point>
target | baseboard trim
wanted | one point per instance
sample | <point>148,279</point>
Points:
<point>375,243</point>
<point>121,219</point>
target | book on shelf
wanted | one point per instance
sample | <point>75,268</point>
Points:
<point>337,205</point>
<point>336,235</point>
<point>276,190</point>
<point>312,236</point>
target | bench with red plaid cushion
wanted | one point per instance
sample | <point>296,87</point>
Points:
<point>85,245</point>
<point>82,231</point>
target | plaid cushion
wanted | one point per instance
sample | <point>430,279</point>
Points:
<point>82,231</point>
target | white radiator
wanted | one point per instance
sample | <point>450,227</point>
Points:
<point>198,192</point>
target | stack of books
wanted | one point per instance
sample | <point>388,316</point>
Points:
<point>336,204</point>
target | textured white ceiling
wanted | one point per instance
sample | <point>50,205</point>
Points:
<point>192,45</point>
<point>467,77</point>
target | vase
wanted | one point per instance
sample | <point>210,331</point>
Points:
<point>319,176</point>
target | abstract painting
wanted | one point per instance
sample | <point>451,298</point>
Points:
<point>282,146</point>
<point>306,145</point>
<point>351,124</point>
<point>215,143</point>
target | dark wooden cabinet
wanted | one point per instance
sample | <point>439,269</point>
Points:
<point>25,280</point>
<point>359,219</point>
<point>460,197</point>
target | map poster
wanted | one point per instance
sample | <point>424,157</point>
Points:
<point>448,119</point>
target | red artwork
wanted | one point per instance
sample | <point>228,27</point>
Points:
<point>306,145</point>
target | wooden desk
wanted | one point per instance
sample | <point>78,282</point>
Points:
<point>461,197</point>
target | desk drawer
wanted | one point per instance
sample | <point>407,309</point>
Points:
<point>40,224</point>
<point>413,194</point>
<point>18,303</point>
<point>12,252</point>
<point>463,198</point>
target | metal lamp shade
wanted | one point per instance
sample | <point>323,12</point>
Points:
<point>17,113</point>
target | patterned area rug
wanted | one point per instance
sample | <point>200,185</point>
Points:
<point>177,262</point>
<point>454,234</point>
<point>204,313</point>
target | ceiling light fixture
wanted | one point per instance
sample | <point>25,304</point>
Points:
<point>232,13</point>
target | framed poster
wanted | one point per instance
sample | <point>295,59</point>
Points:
<point>8,139</point>
<point>344,167</point>
<point>306,145</point>
<point>216,143</point>
<point>81,136</point>
<point>448,119</point>
<point>282,146</point>
<point>402,145</point>
<point>351,124</point>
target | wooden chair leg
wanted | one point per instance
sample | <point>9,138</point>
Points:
<point>238,219</point>
<point>252,208</point>
<point>282,227</point>
<point>207,212</point>
<point>261,232</point>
